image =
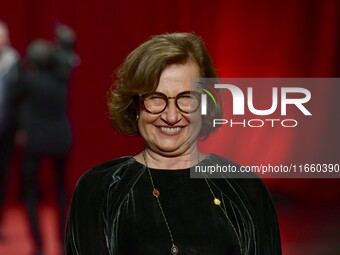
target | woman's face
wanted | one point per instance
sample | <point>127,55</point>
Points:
<point>171,132</point>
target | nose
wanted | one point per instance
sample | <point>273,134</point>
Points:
<point>171,114</point>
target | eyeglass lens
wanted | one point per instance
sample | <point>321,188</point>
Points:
<point>186,102</point>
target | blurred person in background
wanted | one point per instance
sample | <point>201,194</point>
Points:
<point>43,119</point>
<point>8,59</point>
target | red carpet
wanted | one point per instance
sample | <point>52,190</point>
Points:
<point>16,230</point>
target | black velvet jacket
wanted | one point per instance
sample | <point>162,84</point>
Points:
<point>106,201</point>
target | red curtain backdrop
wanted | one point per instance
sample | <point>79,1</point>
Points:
<point>246,39</point>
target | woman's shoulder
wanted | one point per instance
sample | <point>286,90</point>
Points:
<point>249,186</point>
<point>111,164</point>
<point>246,180</point>
<point>106,173</point>
<point>219,159</point>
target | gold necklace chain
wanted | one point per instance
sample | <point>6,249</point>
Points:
<point>219,204</point>
<point>174,249</point>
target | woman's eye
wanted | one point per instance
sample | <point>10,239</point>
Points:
<point>153,97</point>
<point>156,97</point>
<point>187,97</point>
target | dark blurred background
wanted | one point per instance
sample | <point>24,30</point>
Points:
<point>246,39</point>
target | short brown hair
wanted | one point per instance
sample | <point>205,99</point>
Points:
<point>141,70</point>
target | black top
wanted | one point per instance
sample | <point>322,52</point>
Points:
<point>197,225</point>
<point>113,212</point>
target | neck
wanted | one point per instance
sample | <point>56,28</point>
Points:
<point>160,161</point>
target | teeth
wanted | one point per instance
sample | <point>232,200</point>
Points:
<point>170,130</point>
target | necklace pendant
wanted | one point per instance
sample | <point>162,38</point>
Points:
<point>217,201</point>
<point>155,192</point>
<point>174,250</point>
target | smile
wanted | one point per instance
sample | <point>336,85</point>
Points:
<point>171,130</point>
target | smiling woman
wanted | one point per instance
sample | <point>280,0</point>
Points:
<point>169,132</point>
<point>147,203</point>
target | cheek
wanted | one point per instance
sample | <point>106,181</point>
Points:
<point>195,125</point>
<point>195,120</point>
<point>145,122</point>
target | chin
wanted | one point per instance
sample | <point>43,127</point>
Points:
<point>176,148</point>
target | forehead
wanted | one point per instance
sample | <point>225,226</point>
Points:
<point>177,78</point>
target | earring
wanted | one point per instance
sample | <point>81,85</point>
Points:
<point>137,116</point>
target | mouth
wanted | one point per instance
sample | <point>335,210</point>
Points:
<point>170,130</point>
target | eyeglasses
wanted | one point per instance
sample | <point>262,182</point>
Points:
<point>186,102</point>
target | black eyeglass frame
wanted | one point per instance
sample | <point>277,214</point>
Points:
<point>196,94</point>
